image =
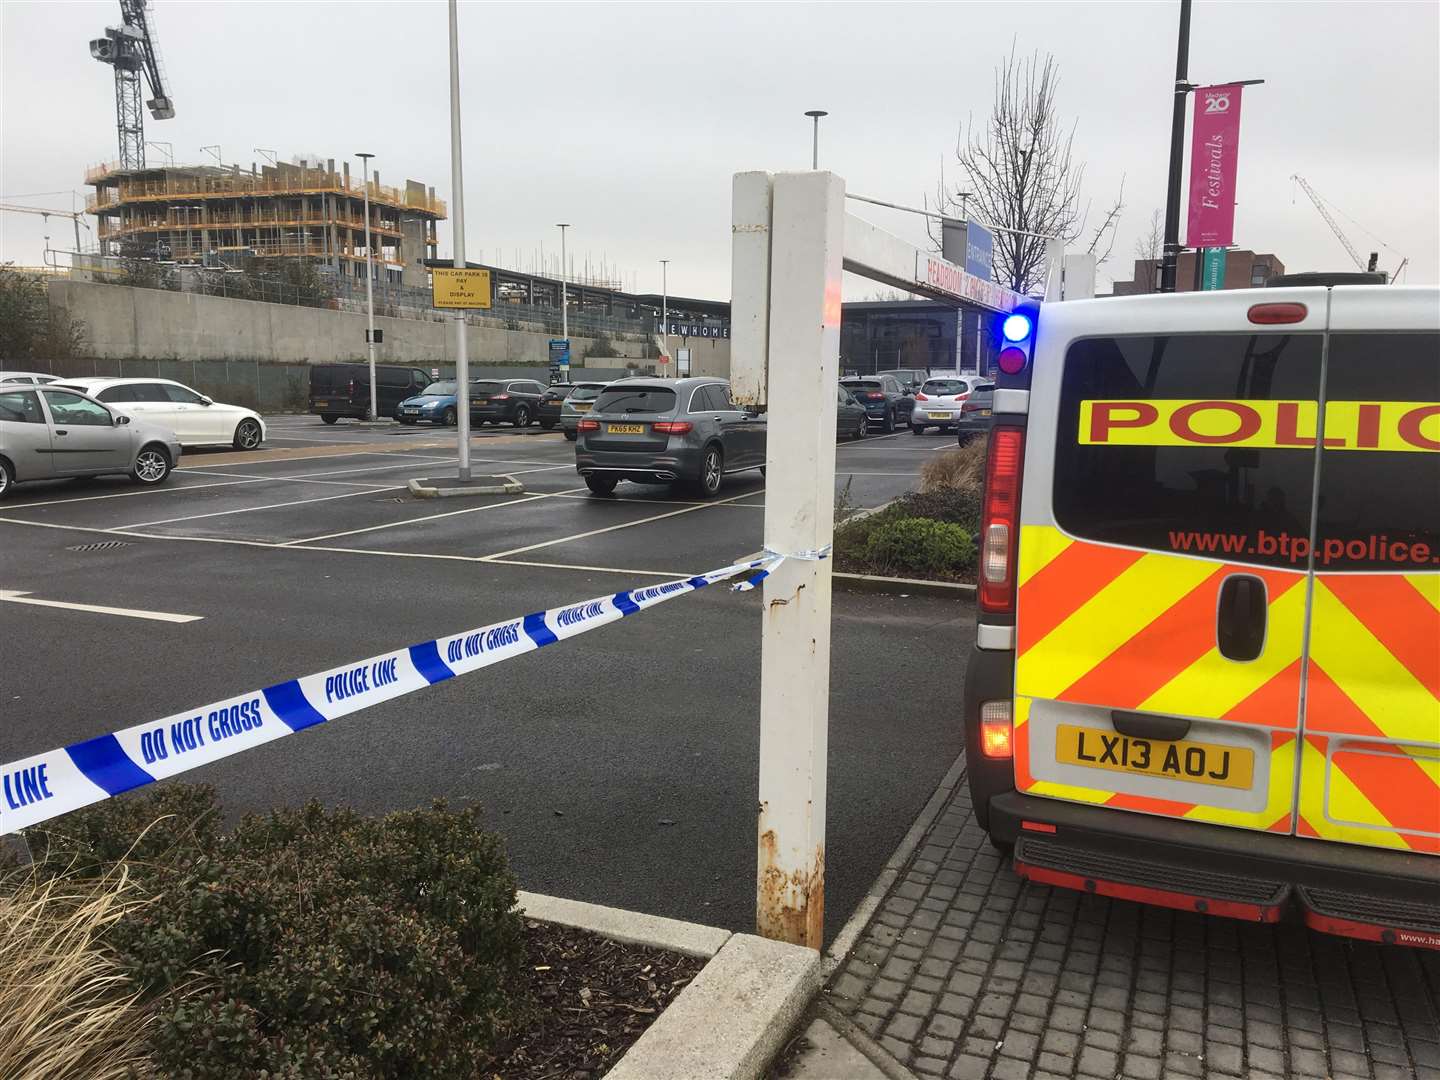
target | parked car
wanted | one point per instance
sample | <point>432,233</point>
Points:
<point>975,413</point>
<point>886,401</point>
<point>34,378</point>
<point>515,401</point>
<point>435,405</point>
<point>850,418</point>
<point>549,410</point>
<point>937,404</point>
<point>338,390</point>
<point>909,377</point>
<point>660,431</point>
<point>577,403</point>
<point>195,418</point>
<point>47,433</point>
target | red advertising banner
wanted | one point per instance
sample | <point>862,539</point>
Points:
<point>1214,149</point>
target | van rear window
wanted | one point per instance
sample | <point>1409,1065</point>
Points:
<point>1189,442</point>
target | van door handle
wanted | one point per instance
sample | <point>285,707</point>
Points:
<point>1150,726</point>
<point>1240,618</point>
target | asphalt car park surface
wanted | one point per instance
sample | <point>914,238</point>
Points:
<point>620,767</point>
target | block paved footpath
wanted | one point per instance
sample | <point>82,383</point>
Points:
<point>966,971</point>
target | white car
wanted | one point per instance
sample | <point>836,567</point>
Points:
<point>939,401</point>
<point>34,378</point>
<point>196,420</point>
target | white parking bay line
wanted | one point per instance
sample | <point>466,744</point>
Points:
<point>496,555</point>
<point>14,596</point>
<point>252,509</point>
<point>428,517</point>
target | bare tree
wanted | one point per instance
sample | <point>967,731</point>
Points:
<point>1148,249</point>
<point>1019,173</point>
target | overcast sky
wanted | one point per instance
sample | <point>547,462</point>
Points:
<point>629,119</point>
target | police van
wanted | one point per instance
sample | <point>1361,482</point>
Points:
<point>1207,663</point>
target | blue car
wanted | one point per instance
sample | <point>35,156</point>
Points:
<point>435,404</point>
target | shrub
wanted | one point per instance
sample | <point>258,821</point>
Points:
<point>953,505</point>
<point>308,942</point>
<point>913,546</point>
<point>962,468</point>
<point>67,1009</point>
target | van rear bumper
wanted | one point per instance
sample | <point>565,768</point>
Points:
<point>1370,893</point>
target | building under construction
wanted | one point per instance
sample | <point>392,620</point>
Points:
<point>218,216</point>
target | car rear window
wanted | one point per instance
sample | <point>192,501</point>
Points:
<point>584,393</point>
<point>439,389</point>
<point>484,388</point>
<point>943,386</point>
<point>873,384</point>
<point>636,399</point>
<point>1380,508</point>
<point>1146,450</point>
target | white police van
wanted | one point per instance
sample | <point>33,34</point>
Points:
<point>1207,669</point>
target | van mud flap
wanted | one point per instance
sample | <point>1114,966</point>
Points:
<point>1393,921</point>
<point>1148,881</point>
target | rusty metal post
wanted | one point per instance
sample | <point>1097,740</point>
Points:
<point>807,237</point>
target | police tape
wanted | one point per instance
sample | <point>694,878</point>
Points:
<point>44,786</point>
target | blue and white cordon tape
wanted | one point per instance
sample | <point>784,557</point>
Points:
<point>35,789</point>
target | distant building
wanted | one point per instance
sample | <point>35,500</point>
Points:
<point>877,335</point>
<point>1243,270</point>
<point>218,215</point>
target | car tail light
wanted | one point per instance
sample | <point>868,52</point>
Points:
<point>996,729</point>
<point>588,425</point>
<point>672,427</point>
<point>499,397</point>
<point>1000,520</point>
<point>876,397</point>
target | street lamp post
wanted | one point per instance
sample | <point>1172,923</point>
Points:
<point>369,289</point>
<point>665,308</point>
<point>457,224</point>
<point>1170,253</point>
<point>815,115</point>
<point>564,293</point>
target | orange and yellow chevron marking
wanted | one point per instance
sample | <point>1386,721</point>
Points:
<point>1365,805</point>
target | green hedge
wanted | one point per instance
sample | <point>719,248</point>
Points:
<point>309,942</point>
<point>919,547</point>
<point>947,554</point>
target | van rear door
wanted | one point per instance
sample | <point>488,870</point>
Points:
<point>1162,560</point>
<point>1371,768</point>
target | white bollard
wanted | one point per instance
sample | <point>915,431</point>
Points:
<point>807,239</point>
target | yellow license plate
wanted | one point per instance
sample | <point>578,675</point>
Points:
<point>984,412</point>
<point>1197,762</point>
<point>625,429</point>
<point>479,401</point>
<point>321,404</point>
<point>580,406</point>
<point>939,416</point>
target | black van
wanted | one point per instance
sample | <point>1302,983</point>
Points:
<point>338,390</point>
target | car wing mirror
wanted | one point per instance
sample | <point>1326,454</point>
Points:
<point>206,401</point>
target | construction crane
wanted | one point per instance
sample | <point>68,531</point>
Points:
<point>130,49</point>
<point>1319,202</point>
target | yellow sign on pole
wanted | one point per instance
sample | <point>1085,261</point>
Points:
<point>460,288</point>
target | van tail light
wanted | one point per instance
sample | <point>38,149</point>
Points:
<point>1277,314</point>
<point>1000,518</point>
<point>672,427</point>
<point>588,425</point>
<point>996,729</point>
<point>351,391</point>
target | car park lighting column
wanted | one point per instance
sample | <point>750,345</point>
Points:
<point>457,225</point>
<point>807,237</point>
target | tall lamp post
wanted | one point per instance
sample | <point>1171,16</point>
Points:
<point>564,293</point>
<point>457,225</point>
<point>665,306</point>
<point>815,115</point>
<point>369,289</point>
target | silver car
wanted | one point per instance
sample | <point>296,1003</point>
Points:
<point>939,401</point>
<point>48,433</point>
<point>578,402</point>
<point>661,431</point>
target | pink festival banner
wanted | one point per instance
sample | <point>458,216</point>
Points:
<point>1214,149</point>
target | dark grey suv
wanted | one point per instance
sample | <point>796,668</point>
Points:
<point>661,431</point>
<point>887,402</point>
